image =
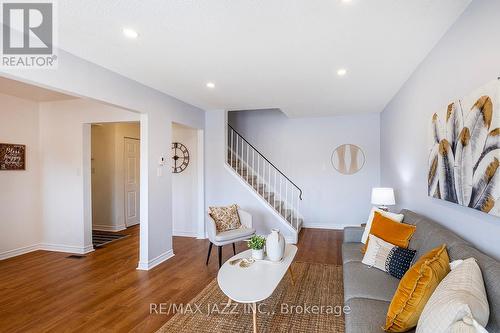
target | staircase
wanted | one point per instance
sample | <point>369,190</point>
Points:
<point>275,189</point>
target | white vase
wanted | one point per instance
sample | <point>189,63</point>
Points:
<point>258,254</point>
<point>275,245</point>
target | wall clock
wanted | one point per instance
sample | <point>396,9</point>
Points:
<point>180,155</point>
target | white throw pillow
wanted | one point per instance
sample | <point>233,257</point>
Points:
<point>454,264</point>
<point>460,296</point>
<point>388,257</point>
<point>377,252</point>
<point>392,216</point>
<point>467,325</point>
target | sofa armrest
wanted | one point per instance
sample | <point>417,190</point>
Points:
<point>353,234</point>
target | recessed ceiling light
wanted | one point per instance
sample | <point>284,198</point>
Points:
<point>342,72</point>
<point>210,85</point>
<point>130,33</point>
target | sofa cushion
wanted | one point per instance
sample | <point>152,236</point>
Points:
<point>353,234</point>
<point>490,269</point>
<point>366,315</point>
<point>352,252</point>
<point>361,281</point>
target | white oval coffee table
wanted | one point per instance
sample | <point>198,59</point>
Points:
<point>255,283</point>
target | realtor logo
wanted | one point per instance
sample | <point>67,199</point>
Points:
<point>28,34</point>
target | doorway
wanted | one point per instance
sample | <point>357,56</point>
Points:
<point>115,180</point>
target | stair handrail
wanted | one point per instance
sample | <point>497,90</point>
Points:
<point>262,155</point>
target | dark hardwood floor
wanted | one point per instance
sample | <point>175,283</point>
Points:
<point>103,292</point>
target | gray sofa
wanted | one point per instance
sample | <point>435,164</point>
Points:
<point>368,291</point>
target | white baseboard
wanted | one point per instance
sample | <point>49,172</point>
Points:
<point>180,233</point>
<point>112,228</point>
<point>46,247</point>
<point>328,226</point>
<point>66,248</point>
<point>17,252</point>
<point>146,266</point>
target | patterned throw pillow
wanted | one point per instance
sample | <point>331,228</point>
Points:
<point>388,257</point>
<point>225,218</point>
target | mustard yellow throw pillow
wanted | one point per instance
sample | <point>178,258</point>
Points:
<point>393,232</point>
<point>415,289</point>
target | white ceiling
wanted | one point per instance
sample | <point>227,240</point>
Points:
<point>262,53</point>
<point>30,92</point>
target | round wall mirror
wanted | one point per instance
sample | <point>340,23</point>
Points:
<point>348,159</point>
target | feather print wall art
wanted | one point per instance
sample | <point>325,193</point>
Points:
<point>464,156</point>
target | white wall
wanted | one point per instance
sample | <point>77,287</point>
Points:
<point>302,148</point>
<point>185,185</point>
<point>20,226</point>
<point>108,187</point>
<point>64,134</point>
<point>466,58</point>
<point>79,77</point>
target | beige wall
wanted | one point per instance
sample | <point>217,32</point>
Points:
<point>20,223</point>
<point>108,202</point>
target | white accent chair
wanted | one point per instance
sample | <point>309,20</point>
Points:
<point>220,239</point>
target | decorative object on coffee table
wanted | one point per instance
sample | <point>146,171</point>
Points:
<point>256,244</point>
<point>275,245</point>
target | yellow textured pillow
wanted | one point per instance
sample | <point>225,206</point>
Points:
<point>415,289</point>
<point>393,232</point>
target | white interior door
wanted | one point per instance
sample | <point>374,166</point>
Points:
<point>132,181</point>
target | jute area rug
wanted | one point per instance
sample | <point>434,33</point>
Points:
<point>291,308</point>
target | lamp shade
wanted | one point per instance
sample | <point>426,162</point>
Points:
<point>383,196</point>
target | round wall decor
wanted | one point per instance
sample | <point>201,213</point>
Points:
<point>180,155</point>
<point>348,159</point>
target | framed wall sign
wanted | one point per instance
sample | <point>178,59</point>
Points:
<point>12,157</point>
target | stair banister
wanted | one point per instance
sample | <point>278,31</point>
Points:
<point>264,158</point>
